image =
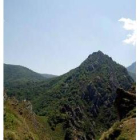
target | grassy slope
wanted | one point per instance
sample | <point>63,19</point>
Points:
<point>123,130</point>
<point>22,124</point>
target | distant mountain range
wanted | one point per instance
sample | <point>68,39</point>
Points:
<point>48,76</point>
<point>76,105</point>
<point>132,70</point>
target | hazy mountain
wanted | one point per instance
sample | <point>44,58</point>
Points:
<point>132,70</point>
<point>79,103</point>
<point>48,76</point>
<point>133,75</point>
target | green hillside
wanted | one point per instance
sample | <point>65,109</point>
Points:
<point>125,128</point>
<point>19,74</point>
<point>20,122</point>
<point>80,101</point>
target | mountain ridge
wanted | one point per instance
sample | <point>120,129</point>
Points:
<point>17,73</point>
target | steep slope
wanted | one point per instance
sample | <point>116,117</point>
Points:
<point>16,73</point>
<point>21,123</point>
<point>80,100</point>
<point>125,128</point>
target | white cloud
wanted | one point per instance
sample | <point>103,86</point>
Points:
<point>129,25</point>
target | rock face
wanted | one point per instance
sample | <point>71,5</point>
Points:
<point>125,102</point>
<point>125,129</point>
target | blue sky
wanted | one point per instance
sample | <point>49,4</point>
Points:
<point>54,36</point>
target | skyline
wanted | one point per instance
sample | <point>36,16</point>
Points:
<point>54,37</point>
<point>63,73</point>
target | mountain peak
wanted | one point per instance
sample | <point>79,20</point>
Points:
<point>98,53</point>
<point>97,58</point>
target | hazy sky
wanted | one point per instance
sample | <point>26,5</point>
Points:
<point>54,36</point>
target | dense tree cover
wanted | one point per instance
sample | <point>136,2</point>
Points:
<point>14,74</point>
<point>80,100</point>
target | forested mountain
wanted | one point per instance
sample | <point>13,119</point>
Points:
<point>16,73</point>
<point>80,103</point>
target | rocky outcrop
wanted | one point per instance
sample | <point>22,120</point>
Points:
<point>125,128</point>
<point>74,124</point>
<point>125,102</point>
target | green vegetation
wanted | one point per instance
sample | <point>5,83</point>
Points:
<point>125,129</point>
<point>80,103</point>
<point>14,74</point>
<point>48,76</point>
<point>20,123</point>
